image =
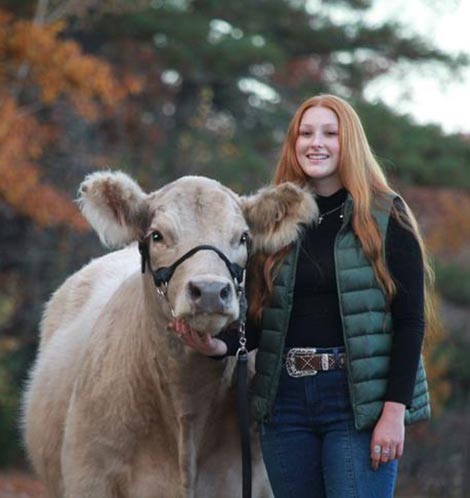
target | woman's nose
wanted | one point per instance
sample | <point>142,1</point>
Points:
<point>317,140</point>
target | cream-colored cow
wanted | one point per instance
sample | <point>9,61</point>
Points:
<point>117,406</point>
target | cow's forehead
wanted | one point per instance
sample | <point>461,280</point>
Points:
<point>197,196</point>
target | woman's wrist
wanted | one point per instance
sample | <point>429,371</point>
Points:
<point>394,408</point>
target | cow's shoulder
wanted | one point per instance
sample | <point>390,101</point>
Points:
<point>91,286</point>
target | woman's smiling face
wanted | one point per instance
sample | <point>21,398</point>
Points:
<point>317,149</point>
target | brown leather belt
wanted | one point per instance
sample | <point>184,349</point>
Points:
<point>306,361</point>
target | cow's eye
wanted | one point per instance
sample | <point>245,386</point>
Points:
<point>157,236</point>
<point>244,238</point>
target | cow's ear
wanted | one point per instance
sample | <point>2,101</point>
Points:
<point>115,207</point>
<point>276,214</point>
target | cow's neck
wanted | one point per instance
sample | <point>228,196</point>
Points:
<point>192,390</point>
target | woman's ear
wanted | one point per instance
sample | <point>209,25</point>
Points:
<point>276,214</point>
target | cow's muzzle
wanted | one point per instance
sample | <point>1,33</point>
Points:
<point>207,296</point>
<point>201,295</point>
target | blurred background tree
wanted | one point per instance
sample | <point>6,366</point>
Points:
<point>163,88</point>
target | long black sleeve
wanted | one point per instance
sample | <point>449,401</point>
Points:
<point>405,263</point>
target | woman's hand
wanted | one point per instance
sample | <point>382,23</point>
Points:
<point>388,437</point>
<point>202,342</point>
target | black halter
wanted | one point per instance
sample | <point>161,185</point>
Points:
<point>162,275</point>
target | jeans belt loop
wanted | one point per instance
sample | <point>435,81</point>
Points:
<point>324,361</point>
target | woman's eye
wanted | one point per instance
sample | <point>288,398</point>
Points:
<point>157,236</point>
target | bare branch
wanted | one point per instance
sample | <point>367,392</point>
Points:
<point>40,13</point>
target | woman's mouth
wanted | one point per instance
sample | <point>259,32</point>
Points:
<point>317,157</point>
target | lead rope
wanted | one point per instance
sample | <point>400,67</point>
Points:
<point>242,398</point>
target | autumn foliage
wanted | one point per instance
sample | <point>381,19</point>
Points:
<point>443,215</point>
<point>39,68</point>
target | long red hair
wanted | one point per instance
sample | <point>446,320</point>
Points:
<point>362,176</point>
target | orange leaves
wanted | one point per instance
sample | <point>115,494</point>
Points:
<point>58,67</point>
<point>437,368</point>
<point>22,189</point>
<point>453,233</point>
<point>28,41</point>
<point>21,141</point>
<point>443,216</point>
<point>38,68</point>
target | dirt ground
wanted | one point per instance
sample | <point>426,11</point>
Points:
<point>17,484</point>
<point>20,484</point>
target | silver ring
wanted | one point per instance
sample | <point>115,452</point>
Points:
<point>377,449</point>
<point>386,451</point>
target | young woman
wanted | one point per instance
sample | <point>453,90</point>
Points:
<point>335,386</point>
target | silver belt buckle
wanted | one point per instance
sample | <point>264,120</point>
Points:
<point>291,367</point>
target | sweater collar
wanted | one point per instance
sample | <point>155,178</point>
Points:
<point>326,203</point>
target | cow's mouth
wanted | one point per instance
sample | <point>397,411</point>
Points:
<point>212,323</point>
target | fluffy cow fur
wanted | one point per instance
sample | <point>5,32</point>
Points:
<point>116,405</point>
<point>276,215</point>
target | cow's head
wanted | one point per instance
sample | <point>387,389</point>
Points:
<point>191,212</point>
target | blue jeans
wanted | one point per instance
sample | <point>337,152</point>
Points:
<point>311,448</point>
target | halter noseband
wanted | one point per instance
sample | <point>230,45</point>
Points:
<point>162,275</point>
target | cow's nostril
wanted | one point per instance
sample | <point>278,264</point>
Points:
<point>208,296</point>
<point>194,291</point>
<point>225,292</point>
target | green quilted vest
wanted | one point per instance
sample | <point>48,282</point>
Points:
<point>366,327</point>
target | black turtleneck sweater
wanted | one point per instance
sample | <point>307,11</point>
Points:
<point>315,318</point>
